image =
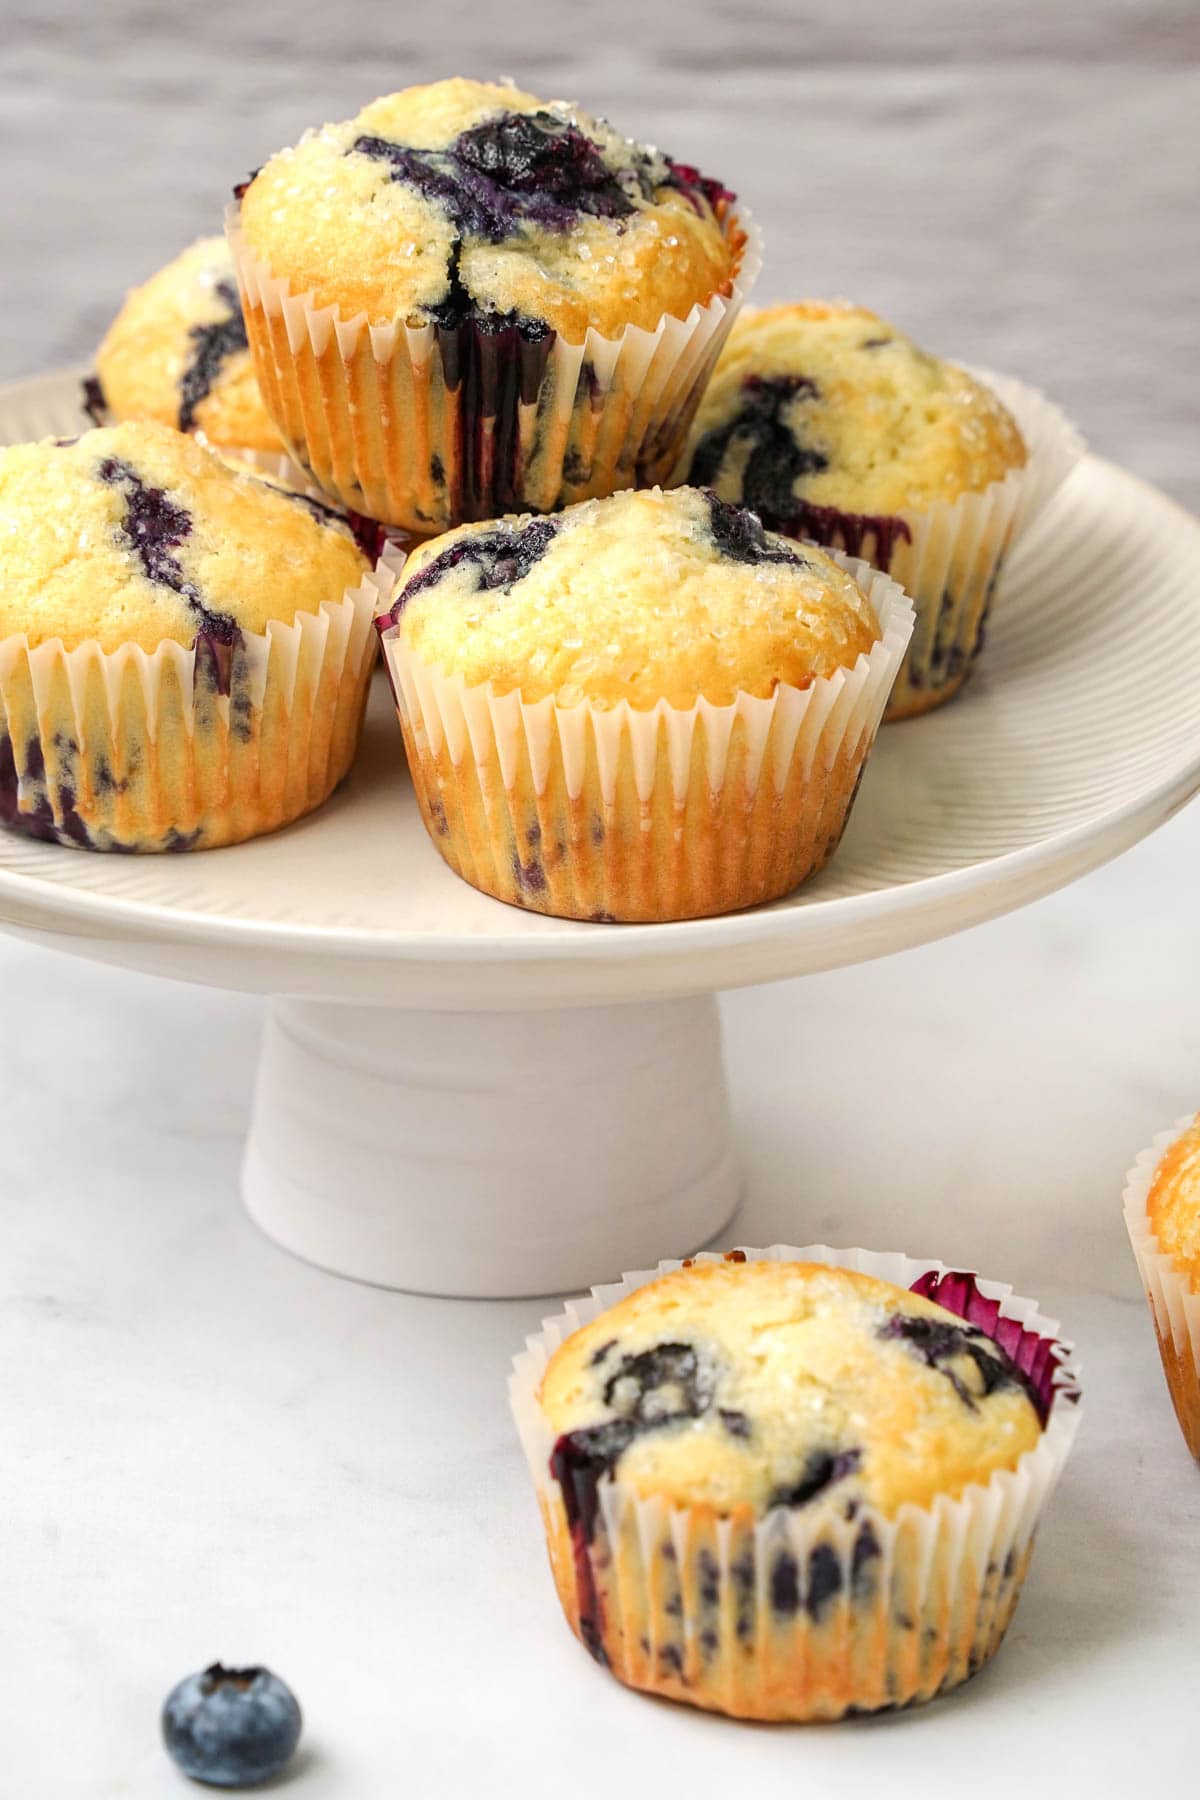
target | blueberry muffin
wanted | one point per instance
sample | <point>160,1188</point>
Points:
<point>643,708</point>
<point>184,650</point>
<point>833,425</point>
<point>1162,1213</point>
<point>758,1477</point>
<point>177,352</point>
<point>466,300</point>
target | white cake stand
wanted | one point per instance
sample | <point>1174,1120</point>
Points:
<point>450,1098</point>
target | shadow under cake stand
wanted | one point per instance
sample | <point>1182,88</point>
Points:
<point>461,1098</point>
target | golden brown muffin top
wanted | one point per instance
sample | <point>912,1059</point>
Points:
<point>825,404</point>
<point>176,352</point>
<point>647,596</point>
<point>1173,1203</point>
<point>465,197</point>
<point>136,534</point>
<point>761,1384</point>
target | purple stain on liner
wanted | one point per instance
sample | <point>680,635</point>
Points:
<point>847,531</point>
<point>738,535</point>
<point>212,346</point>
<point>1037,1358</point>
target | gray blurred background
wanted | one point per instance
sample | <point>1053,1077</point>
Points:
<point>1015,183</point>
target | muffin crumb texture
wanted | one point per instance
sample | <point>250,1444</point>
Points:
<point>825,405</point>
<point>644,597</point>
<point>788,1384</point>
<point>136,534</point>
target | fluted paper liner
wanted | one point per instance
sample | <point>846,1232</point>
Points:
<point>183,747</point>
<point>876,1612</point>
<point>377,413</point>
<point>1174,1302</point>
<point>618,814</point>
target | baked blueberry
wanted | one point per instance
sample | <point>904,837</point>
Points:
<point>231,1728</point>
<point>177,352</point>
<point>137,538</point>
<point>513,227</point>
<point>496,558</point>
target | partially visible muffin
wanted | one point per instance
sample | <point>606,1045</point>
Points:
<point>177,353</point>
<point>183,648</point>
<point>833,425</point>
<point>782,1489</point>
<point>1173,1204</point>
<point>644,667</point>
<point>1162,1213</point>
<point>521,241</point>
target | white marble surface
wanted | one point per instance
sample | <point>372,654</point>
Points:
<point>214,1451</point>
<point>210,1450</point>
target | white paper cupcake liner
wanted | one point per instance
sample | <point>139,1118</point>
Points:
<point>181,747</point>
<point>952,560</point>
<point>425,428</point>
<point>1174,1303</point>
<point>619,814</point>
<point>798,1615</point>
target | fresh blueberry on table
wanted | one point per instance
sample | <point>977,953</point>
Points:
<point>231,1728</point>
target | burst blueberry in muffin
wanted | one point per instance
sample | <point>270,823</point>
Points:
<point>833,425</point>
<point>785,1489</point>
<point>645,707</point>
<point>508,257</point>
<point>177,352</point>
<point>184,650</point>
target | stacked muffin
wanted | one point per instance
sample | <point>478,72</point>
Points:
<point>464,301</point>
<point>470,312</point>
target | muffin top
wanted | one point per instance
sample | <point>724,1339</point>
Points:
<point>176,352</point>
<point>469,198</point>
<point>765,1384</point>
<point>1173,1203</point>
<point>643,597</point>
<point>823,404</point>
<point>137,534</point>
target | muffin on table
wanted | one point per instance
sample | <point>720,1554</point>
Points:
<point>833,425</point>
<point>642,708</point>
<point>1162,1214</point>
<point>184,649</point>
<point>466,301</point>
<point>786,1489</point>
<point>177,352</point>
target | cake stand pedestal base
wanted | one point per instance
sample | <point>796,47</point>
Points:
<point>490,1154</point>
